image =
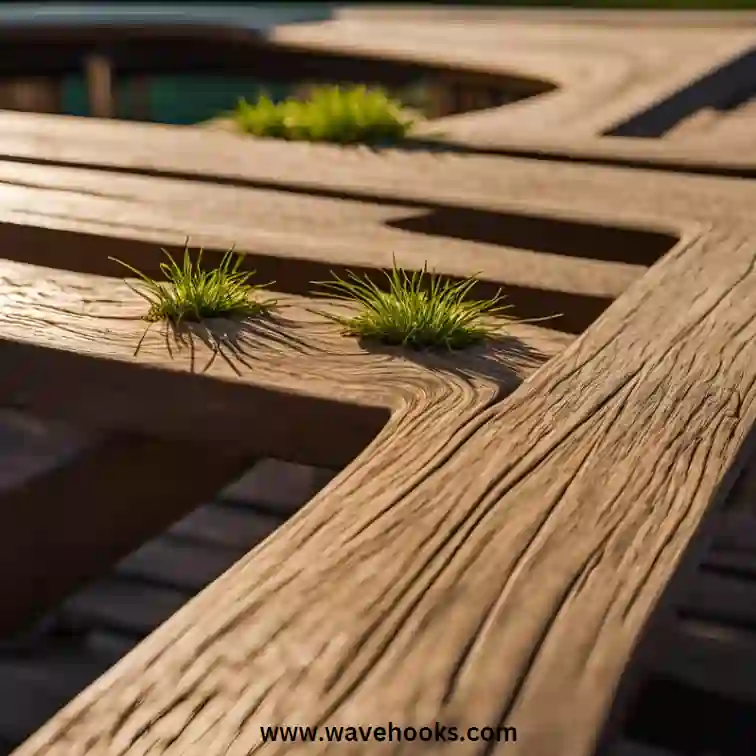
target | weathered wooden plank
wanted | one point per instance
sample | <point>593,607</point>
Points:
<point>75,520</point>
<point>605,76</point>
<point>295,365</point>
<point>501,577</point>
<point>538,252</point>
<point>135,146</point>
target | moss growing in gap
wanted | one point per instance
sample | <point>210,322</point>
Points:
<point>329,114</point>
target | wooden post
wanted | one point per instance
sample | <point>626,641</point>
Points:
<point>99,74</point>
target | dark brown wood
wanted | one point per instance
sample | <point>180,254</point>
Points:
<point>69,524</point>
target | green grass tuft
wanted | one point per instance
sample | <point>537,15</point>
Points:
<point>330,114</point>
<point>191,293</point>
<point>420,310</point>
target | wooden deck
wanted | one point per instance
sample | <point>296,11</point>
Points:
<point>42,669</point>
<point>553,532</point>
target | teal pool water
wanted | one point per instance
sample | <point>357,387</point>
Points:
<point>181,99</point>
<point>178,99</point>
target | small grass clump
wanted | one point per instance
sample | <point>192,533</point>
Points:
<point>330,114</point>
<point>191,293</point>
<point>419,310</point>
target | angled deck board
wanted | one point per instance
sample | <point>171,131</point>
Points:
<point>480,602</point>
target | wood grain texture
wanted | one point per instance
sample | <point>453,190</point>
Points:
<point>274,222</point>
<point>484,560</point>
<point>606,76</point>
<point>293,365</point>
<point>515,557</point>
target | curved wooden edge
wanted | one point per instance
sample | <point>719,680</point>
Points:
<point>268,385</point>
<point>607,76</point>
<point>501,575</point>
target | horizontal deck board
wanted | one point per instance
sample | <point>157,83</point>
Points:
<point>479,580</point>
<point>325,230</point>
<point>131,608</point>
<point>225,527</point>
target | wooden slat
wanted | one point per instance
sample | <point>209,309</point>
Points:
<point>539,254</point>
<point>722,597</point>
<point>106,143</point>
<point>175,564</point>
<point>712,657</point>
<point>130,608</point>
<point>296,366</point>
<point>502,572</point>
<point>277,487</point>
<point>70,523</point>
<point>225,527</point>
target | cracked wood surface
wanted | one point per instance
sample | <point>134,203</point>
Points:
<point>475,579</point>
<point>39,137</point>
<point>516,557</point>
<point>606,76</point>
<point>292,364</point>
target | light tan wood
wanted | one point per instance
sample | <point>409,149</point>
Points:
<point>484,600</point>
<point>608,77</point>
<point>484,560</point>
<point>295,365</point>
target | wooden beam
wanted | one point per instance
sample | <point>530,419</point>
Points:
<point>70,524</point>
<point>506,580</point>
<point>98,70</point>
<point>267,386</point>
